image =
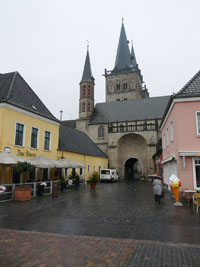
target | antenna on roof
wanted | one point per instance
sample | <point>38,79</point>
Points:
<point>61,113</point>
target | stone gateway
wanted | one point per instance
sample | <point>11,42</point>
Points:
<point>126,126</point>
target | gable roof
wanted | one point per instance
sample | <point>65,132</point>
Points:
<point>129,110</point>
<point>192,88</point>
<point>15,91</point>
<point>78,142</point>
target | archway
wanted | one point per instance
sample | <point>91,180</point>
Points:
<point>131,155</point>
<point>132,169</point>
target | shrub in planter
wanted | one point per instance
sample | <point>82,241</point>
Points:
<point>93,180</point>
<point>63,184</point>
<point>23,193</point>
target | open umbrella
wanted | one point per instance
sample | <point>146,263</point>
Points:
<point>153,176</point>
<point>43,162</point>
<point>8,160</point>
<point>68,163</point>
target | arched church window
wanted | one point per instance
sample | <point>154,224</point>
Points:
<point>84,92</point>
<point>101,132</point>
<point>89,92</point>
<point>118,87</point>
<point>125,86</point>
<point>83,107</point>
<point>88,107</point>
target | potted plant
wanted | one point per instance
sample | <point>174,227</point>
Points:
<point>93,180</point>
<point>63,184</point>
<point>23,193</point>
<point>77,181</point>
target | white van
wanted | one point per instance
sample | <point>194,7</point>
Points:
<point>109,175</point>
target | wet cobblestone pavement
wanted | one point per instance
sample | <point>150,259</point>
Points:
<point>121,211</point>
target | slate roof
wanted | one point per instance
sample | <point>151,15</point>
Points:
<point>70,123</point>
<point>87,71</point>
<point>78,142</point>
<point>129,110</point>
<point>123,58</point>
<point>133,58</point>
<point>192,88</point>
<point>15,91</point>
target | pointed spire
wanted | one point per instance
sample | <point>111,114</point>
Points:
<point>123,58</point>
<point>87,72</point>
<point>133,58</point>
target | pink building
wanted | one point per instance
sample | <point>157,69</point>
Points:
<point>180,129</point>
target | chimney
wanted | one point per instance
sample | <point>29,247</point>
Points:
<point>61,112</point>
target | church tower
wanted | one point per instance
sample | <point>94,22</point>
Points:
<point>125,81</point>
<point>86,101</point>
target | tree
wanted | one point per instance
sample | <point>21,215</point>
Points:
<point>24,168</point>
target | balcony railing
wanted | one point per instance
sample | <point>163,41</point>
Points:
<point>132,127</point>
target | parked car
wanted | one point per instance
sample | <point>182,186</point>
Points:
<point>109,175</point>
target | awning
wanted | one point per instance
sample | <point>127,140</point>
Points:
<point>189,154</point>
<point>168,159</point>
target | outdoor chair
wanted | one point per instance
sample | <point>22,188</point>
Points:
<point>196,201</point>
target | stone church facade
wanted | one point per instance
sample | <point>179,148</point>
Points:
<point>126,126</point>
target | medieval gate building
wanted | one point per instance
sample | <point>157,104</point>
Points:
<point>126,126</point>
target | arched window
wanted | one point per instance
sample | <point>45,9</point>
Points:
<point>88,106</point>
<point>118,87</point>
<point>101,132</point>
<point>83,107</point>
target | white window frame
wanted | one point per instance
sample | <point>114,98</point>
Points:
<point>49,141</point>
<point>38,133</point>
<point>163,139</point>
<point>194,172</point>
<point>171,131</point>
<point>197,125</point>
<point>94,168</point>
<point>23,139</point>
<point>167,137</point>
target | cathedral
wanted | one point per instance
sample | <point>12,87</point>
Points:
<point>126,126</point>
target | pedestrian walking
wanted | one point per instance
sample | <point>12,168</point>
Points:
<point>157,188</point>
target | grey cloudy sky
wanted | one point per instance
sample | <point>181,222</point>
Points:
<point>45,41</point>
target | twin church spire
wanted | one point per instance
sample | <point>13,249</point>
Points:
<point>124,59</point>
<point>124,82</point>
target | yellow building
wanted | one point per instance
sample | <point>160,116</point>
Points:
<point>28,129</point>
<point>77,146</point>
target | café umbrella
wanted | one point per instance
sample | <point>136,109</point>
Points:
<point>43,162</point>
<point>8,160</point>
<point>68,163</point>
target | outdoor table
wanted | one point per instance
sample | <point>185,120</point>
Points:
<point>189,194</point>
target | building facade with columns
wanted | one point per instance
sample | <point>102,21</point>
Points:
<point>126,126</point>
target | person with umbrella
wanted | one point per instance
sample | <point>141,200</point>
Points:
<point>157,188</point>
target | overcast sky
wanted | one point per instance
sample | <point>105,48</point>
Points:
<point>46,42</point>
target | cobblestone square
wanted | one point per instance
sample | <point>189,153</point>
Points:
<point>116,225</point>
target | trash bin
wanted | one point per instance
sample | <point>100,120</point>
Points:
<point>55,189</point>
<point>40,190</point>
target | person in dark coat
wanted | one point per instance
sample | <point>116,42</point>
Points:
<point>157,188</point>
